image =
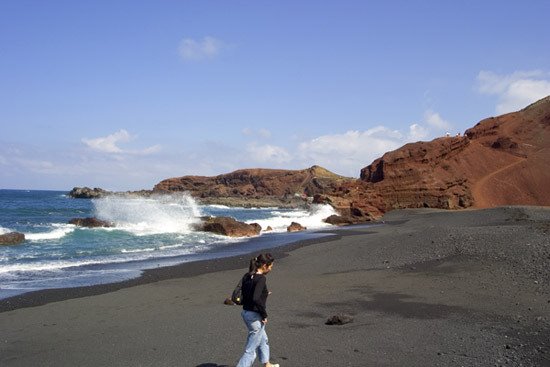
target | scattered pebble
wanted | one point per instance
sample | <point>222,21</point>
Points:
<point>339,319</point>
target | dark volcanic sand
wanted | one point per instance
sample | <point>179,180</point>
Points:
<point>428,288</point>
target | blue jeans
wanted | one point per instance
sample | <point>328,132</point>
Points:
<point>256,341</point>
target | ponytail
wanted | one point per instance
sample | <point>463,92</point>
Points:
<point>259,261</point>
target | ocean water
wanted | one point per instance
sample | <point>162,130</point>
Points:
<point>149,232</point>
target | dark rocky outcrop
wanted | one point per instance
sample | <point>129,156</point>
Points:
<point>96,193</point>
<point>227,226</point>
<point>88,193</point>
<point>11,238</point>
<point>295,227</point>
<point>90,222</point>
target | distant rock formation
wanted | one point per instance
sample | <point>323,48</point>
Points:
<point>255,187</point>
<point>96,193</point>
<point>90,222</point>
<point>11,238</point>
<point>227,226</point>
<point>88,193</point>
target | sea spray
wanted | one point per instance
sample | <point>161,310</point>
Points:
<point>312,218</point>
<point>149,216</point>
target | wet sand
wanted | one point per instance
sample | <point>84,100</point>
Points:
<point>426,288</point>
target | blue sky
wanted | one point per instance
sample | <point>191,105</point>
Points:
<point>122,94</point>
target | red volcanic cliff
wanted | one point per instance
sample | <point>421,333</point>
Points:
<point>422,174</point>
<point>503,160</point>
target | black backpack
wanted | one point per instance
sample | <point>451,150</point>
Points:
<point>237,295</point>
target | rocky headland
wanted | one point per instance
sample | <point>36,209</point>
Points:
<point>502,160</point>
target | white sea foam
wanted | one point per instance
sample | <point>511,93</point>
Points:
<point>169,247</point>
<point>148,216</point>
<point>4,230</point>
<point>49,266</point>
<point>216,206</point>
<point>59,231</point>
<point>11,270</point>
<point>148,249</point>
<point>312,218</point>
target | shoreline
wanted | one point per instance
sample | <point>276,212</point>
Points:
<point>428,288</point>
<point>182,270</point>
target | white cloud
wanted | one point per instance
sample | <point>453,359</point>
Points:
<point>347,153</point>
<point>196,50</point>
<point>434,119</point>
<point>109,144</point>
<point>417,132</point>
<point>262,133</point>
<point>514,91</point>
<point>150,150</point>
<point>268,154</point>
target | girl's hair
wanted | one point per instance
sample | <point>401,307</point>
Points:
<point>259,261</point>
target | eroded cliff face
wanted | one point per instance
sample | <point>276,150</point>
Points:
<point>515,148</point>
<point>421,174</point>
<point>503,160</point>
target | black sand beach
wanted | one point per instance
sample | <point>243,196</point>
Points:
<point>426,288</point>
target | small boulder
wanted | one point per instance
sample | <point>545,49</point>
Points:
<point>11,238</point>
<point>338,220</point>
<point>269,229</point>
<point>256,226</point>
<point>228,226</point>
<point>295,227</point>
<point>90,222</point>
<point>339,319</point>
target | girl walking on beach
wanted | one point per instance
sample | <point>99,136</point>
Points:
<point>254,296</point>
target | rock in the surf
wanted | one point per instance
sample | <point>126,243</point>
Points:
<point>11,238</point>
<point>295,227</point>
<point>228,226</point>
<point>90,222</point>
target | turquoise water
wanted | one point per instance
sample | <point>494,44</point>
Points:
<point>149,232</point>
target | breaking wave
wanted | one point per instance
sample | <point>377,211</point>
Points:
<point>60,231</point>
<point>311,218</point>
<point>148,216</point>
